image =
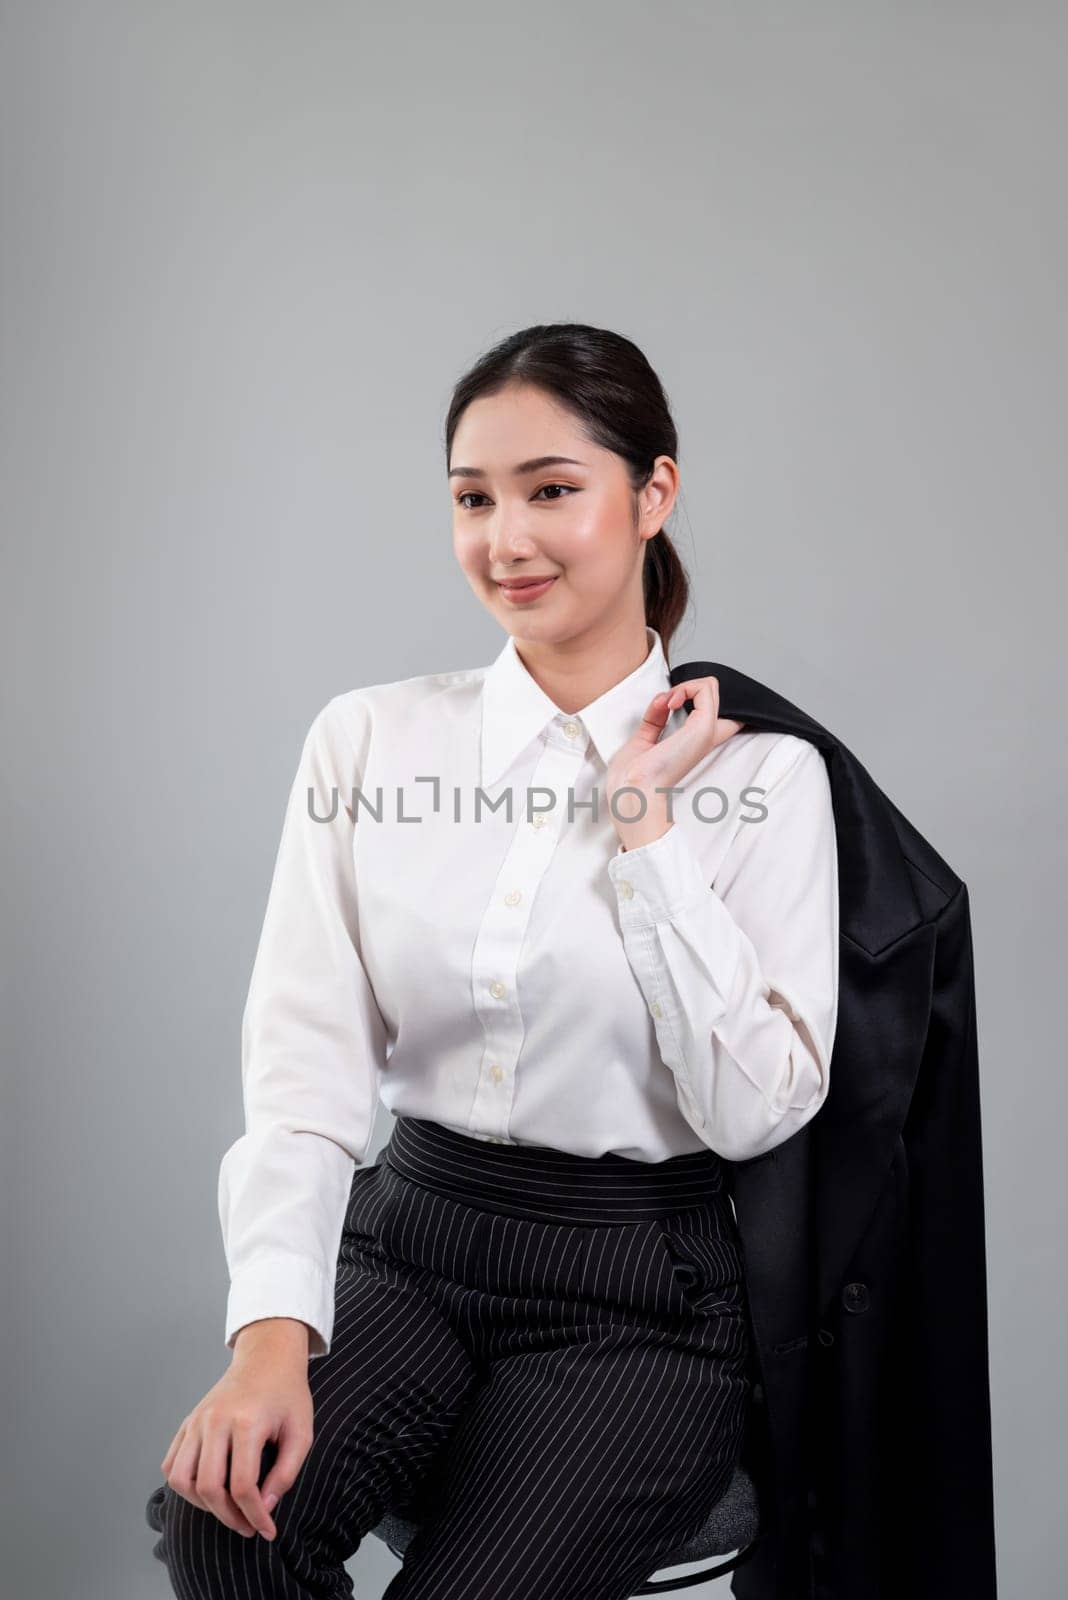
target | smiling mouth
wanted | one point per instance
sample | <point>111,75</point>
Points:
<point>525,583</point>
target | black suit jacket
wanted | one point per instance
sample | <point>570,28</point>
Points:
<point>863,1236</point>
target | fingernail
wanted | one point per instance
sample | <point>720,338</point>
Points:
<point>270,1500</point>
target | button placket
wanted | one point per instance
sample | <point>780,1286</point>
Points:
<point>502,932</point>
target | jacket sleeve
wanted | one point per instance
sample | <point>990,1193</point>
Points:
<point>941,1406</point>
<point>313,1049</point>
<point>741,977</point>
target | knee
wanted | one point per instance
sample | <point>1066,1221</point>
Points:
<point>154,1517</point>
<point>188,1543</point>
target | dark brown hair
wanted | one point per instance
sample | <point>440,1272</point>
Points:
<point>604,380</point>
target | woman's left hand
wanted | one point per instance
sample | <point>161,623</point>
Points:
<point>647,763</point>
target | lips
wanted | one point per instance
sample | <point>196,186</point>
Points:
<point>526,591</point>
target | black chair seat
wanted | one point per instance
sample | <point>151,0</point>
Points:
<point>733,1523</point>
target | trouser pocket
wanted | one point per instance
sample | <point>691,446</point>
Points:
<point>705,1261</point>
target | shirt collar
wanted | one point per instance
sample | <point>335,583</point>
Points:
<point>515,709</point>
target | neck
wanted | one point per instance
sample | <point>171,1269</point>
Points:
<point>573,672</point>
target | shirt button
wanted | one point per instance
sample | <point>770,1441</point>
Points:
<point>513,897</point>
<point>656,1009</point>
<point>496,1072</point>
<point>497,990</point>
<point>572,729</point>
<point>626,889</point>
<point>537,822</point>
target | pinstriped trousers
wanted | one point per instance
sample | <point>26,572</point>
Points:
<point>542,1357</point>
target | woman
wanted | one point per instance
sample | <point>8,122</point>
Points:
<point>584,947</point>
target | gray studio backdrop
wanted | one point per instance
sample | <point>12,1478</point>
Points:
<point>246,249</point>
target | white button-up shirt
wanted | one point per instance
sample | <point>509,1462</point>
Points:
<point>456,944</point>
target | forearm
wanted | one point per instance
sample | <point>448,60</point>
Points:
<point>741,984</point>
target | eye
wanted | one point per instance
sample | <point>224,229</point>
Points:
<point>467,493</point>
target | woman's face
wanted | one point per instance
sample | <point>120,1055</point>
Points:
<point>570,521</point>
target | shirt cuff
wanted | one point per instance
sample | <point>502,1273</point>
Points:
<point>657,880</point>
<point>282,1284</point>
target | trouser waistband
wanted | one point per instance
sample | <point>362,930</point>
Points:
<point>555,1185</point>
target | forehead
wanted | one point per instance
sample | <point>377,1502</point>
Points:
<point>498,432</point>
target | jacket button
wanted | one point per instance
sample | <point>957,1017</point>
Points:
<point>825,1336</point>
<point>855,1297</point>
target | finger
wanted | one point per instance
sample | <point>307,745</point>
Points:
<point>293,1448</point>
<point>702,691</point>
<point>655,720</point>
<point>183,1473</point>
<point>246,1461</point>
<point>176,1444</point>
<point>211,1481</point>
<point>697,733</point>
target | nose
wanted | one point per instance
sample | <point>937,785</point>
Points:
<point>507,543</point>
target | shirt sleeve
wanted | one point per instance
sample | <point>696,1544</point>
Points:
<point>741,977</point>
<point>313,1047</point>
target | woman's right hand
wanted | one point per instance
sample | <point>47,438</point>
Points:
<point>263,1396</point>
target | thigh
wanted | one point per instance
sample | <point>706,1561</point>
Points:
<point>576,1469</point>
<point>386,1398</point>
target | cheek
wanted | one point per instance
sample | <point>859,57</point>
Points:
<point>600,541</point>
<point>599,560</point>
<point>467,553</point>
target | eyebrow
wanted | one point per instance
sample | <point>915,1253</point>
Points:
<point>524,467</point>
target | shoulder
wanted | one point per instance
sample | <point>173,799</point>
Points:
<point>767,760</point>
<point>352,716</point>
